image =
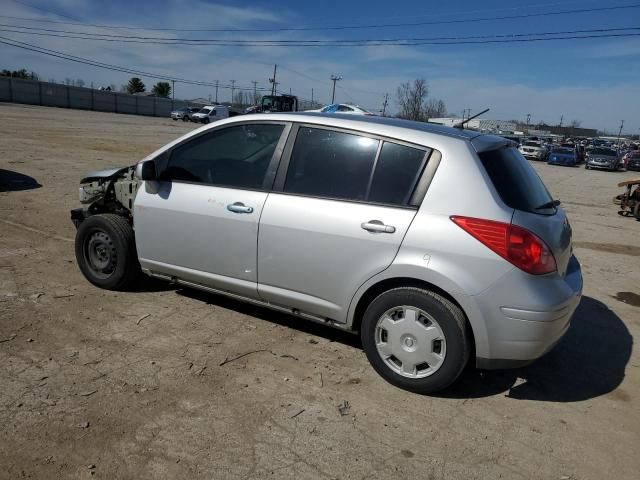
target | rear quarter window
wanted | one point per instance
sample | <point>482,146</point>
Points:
<point>517,183</point>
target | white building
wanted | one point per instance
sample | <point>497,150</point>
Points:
<point>479,124</point>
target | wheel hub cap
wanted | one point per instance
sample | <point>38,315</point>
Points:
<point>410,342</point>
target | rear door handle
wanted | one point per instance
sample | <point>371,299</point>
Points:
<point>377,226</point>
<point>239,207</point>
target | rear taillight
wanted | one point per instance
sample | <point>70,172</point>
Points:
<point>515,244</point>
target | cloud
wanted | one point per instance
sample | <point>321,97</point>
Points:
<point>464,77</point>
<point>616,49</point>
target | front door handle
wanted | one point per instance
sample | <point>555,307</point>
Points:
<point>239,207</point>
<point>377,226</point>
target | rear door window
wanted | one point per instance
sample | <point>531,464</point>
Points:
<point>517,183</point>
<point>333,164</point>
<point>326,163</point>
<point>397,171</point>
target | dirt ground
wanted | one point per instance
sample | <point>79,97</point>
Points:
<point>135,385</point>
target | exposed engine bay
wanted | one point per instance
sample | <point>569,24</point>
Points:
<point>107,191</point>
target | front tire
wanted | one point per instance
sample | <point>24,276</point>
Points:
<point>106,251</point>
<point>416,339</point>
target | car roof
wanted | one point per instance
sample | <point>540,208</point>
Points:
<point>429,135</point>
<point>366,122</point>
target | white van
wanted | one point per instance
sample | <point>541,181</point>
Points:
<point>211,113</point>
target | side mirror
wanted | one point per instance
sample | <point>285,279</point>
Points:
<point>146,170</point>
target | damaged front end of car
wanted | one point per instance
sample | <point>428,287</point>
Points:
<point>107,191</point>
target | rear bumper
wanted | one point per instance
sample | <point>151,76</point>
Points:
<point>534,314</point>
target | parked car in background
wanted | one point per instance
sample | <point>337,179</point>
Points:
<point>343,108</point>
<point>210,113</point>
<point>602,158</point>
<point>632,160</point>
<point>184,113</point>
<point>192,112</point>
<point>353,222</point>
<point>533,151</point>
<point>563,156</point>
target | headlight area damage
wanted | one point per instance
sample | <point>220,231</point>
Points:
<point>107,191</point>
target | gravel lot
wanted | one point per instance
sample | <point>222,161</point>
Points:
<point>134,385</point>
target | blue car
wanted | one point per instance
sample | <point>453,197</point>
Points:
<point>563,156</point>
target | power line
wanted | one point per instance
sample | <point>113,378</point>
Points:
<point>347,27</point>
<point>88,35</point>
<point>107,66</point>
<point>459,40</point>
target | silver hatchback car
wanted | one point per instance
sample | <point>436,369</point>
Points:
<point>435,244</point>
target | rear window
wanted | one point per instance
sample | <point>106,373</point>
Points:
<point>517,183</point>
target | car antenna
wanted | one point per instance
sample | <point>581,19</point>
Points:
<point>461,124</point>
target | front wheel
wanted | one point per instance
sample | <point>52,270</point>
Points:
<point>416,339</point>
<point>106,251</point>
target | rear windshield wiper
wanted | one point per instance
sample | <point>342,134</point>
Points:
<point>549,204</point>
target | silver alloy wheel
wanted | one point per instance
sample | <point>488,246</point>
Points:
<point>410,342</point>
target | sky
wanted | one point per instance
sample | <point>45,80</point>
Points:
<point>595,81</point>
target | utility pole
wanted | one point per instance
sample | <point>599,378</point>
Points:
<point>272,81</point>
<point>255,92</point>
<point>561,118</point>
<point>233,88</point>
<point>173,89</point>
<point>384,105</point>
<point>217,83</point>
<point>311,97</point>
<point>334,79</point>
<point>619,133</point>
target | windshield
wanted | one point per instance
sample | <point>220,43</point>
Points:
<point>564,151</point>
<point>531,144</point>
<point>603,151</point>
<point>517,183</point>
<point>205,110</point>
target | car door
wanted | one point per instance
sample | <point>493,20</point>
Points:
<point>199,221</point>
<point>340,208</point>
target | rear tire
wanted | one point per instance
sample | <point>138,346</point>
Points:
<point>416,339</point>
<point>106,252</point>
